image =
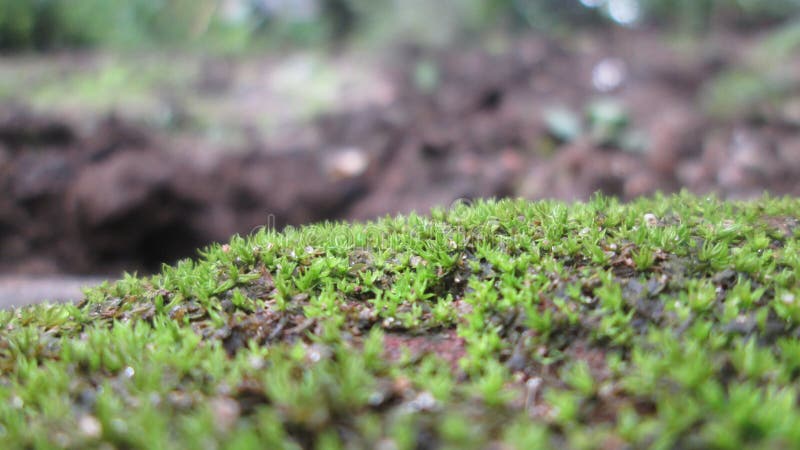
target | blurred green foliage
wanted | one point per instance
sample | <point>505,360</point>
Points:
<point>53,24</point>
<point>764,83</point>
<point>697,15</point>
<point>237,24</point>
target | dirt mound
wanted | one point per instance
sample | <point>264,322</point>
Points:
<point>538,120</point>
<point>118,198</point>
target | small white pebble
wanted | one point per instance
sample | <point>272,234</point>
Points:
<point>90,426</point>
<point>386,444</point>
<point>226,411</point>
<point>313,355</point>
<point>650,219</point>
<point>155,399</point>
<point>256,362</point>
<point>424,401</point>
<point>348,163</point>
<point>129,372</point>
<point>533,386</point>
<point>533,383</point>
<point>376,398</point>
<point>609,74</point>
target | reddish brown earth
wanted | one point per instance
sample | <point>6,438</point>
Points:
<point>121,196</point>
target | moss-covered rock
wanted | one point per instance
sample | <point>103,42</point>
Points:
<point>665,323</point>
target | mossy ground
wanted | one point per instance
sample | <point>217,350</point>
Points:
<point>665,323</point>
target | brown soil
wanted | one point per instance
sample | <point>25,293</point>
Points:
<point>121,196</point>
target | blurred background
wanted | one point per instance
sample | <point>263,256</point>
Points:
<point>134,132</point>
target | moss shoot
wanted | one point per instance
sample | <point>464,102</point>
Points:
<point>670,322</point>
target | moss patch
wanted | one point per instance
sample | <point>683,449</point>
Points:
<point>669,322</point>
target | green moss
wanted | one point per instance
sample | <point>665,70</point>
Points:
<point>668,323</point>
